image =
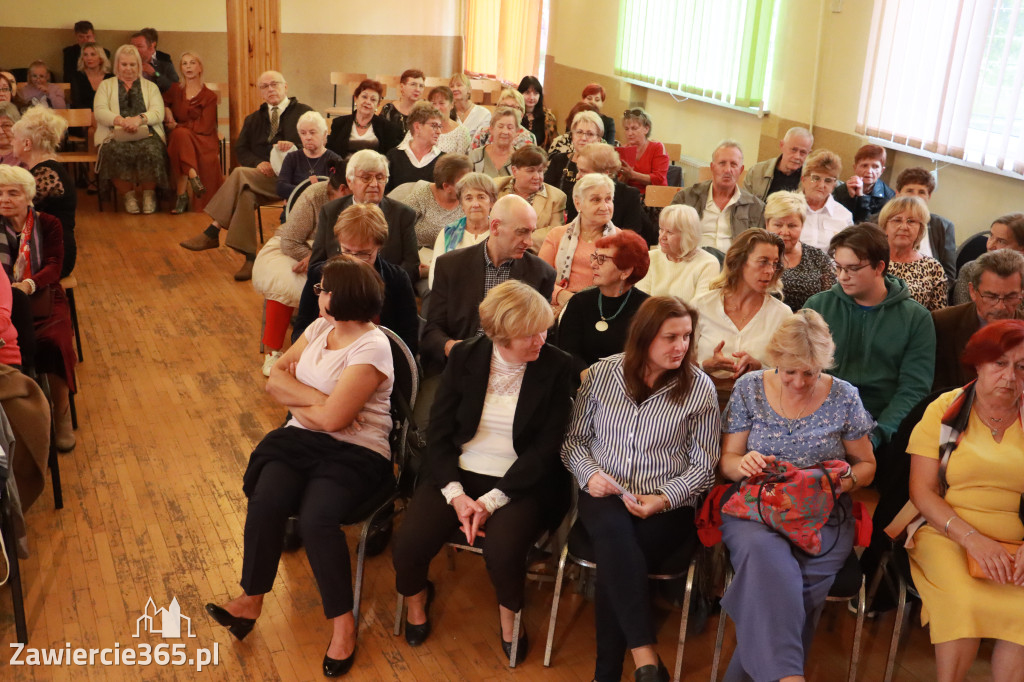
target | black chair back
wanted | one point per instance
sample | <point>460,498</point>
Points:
<point>299,189</point>
<point>971,248</point>
<point>403,399</point>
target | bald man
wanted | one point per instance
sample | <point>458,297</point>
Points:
<point>783,171</point>
<point>254,182</point>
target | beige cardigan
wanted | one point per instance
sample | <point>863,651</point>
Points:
<point>107,107</point>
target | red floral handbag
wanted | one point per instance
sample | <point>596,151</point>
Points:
<point>794,502</point>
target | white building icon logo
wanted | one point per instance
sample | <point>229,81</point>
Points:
<point>163,622</point>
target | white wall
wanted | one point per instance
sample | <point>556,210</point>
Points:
<point>175,15</point>
<point>372,17</point>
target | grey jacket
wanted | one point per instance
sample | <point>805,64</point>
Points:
<point>746,213</point>
<point>759,178</point>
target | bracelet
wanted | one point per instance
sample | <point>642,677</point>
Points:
<point>668,503</point>
<point>32,285</point>
<point>946,529</point>
<point>967,535</point>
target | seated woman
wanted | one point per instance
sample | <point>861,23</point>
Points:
<point>31,253</point>
<point>739,315</point>
<point>311,160</point>
<point>980,509</point>
<point>599,157</point>
<point>512,99</point>
<point>679,267</point>
<point>595,94</point>
<point>455,137</point>
<point>798,414</point>
<point>563,143</point>
<point>527,165</point>
<point>904,219</point>
<point>491,463</point>
<point>808,269</point>
<point>826,217</point>
<point>651,167</point>
<point>279,272</point>
<point>666,462</point>
<point>193,147</point>
<point>561,173</point>
<point>410,87</point>
<point>39,89</point>
<point>1007,232</point>
<point>495,157</point>
<point>415,157</point>
<point>363,128</point>
<point>568,248</point>
<point>596,320</point>
<point>10,353</point>
<point>9,91</point>
<point>93,69</point>
<point>9,115</point>
<point>36,138</point>
<point>537,119</point>
<point>317,464</point>
<point>130,132</point>
<point>476,195</point>
<point>472,116</point>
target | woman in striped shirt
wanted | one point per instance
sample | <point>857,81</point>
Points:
<point>643,443</point>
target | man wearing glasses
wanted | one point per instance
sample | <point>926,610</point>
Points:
<point>254,181</point>
<point>996,289</point>
<point>783,171</point>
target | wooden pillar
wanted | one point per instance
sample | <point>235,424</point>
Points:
<point>254,27</point>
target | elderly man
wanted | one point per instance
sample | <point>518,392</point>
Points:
<point>865,193</point>
<point>84,34</point>
<point>725,210</point>
<point>996,289</point>
<point>233,207</point>
<point>782,172</point>
<point>157,66</point>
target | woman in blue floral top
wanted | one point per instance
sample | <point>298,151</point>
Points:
<point>798,414</point>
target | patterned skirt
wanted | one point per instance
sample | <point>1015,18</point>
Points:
<point>141,161</point>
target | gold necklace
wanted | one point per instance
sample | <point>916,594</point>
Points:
<point>782,404</point>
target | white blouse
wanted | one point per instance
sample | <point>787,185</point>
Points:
<point>714,326</point>
<point>686,279</point>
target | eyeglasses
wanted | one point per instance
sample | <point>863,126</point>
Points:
<point>599,258</point>
<point>367,179</point>
<point>361,255</point>
<point>317,289</point>
<point>850,269</point>
<point>766,263</point>
<point>271,84</point>
<point>909,222</point>
<point>1012,299</point>
<point>5,89</point>
<point>815,179</point>
<point>585,134</point>
<point>436,126</point>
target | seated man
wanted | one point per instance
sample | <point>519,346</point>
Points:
<point>254,181</point>
<point>725,210</point>
<point>782,172</point>
<point>84,34</point>
<point>463,277</point>
<point>865,193</point>
<point>996,289</point>
<point>157,66</point>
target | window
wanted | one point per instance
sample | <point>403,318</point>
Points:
<point>716,50</point>
<point>503,38</point>
<point>946,77</point>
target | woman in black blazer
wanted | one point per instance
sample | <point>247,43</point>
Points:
<point>492,458</point>
<point>363,128</point>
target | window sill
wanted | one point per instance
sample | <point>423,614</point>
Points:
<point>683,96</point>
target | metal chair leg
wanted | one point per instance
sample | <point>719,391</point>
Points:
<point>54,462</point>
<point>720,636</point>
<point>360,562</point>
<point>17,597</point>
<point>559,577</point>
<point>74,412</point>
<point>399,612</point>
<point>74,321</point>
<point>897,631</point>
<point>259,220</point>
<point>684,619</point>
<point>512,659</point>
<point>862,606</point>
<point>263,327</point>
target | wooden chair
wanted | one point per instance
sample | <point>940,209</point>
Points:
<point>391,84</point>
<point>659,196</point>
<point>68,284</point>
<point>81,118</point>
<point>491,88</point>
<point>431,82</point>
<point>348,82</point>
<point>674,151</point>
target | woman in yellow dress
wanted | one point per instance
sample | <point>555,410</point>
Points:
<point>981,507</point>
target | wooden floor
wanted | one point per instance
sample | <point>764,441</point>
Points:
<point>171,403</point>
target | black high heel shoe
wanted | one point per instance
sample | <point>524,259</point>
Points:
<point>198,188</point>
<point>417,634</point>
<point>237,626</point>
<point>334,667</point>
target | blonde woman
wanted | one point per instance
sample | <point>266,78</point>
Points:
<point>192,144</point>
<point>808,269</point>
<point>679,267</point>
<point>473,117</point>
<point>513,99</point>
<point>905,223</point>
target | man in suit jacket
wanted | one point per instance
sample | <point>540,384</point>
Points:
<point>463,277</point>
<point>157,66</point>
<point>84,34</point>
<point>254,182</point>
<point>996,292</point>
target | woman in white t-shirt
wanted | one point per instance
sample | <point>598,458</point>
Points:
<point>320,463</point>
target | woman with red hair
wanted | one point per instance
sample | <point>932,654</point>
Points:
<point>967,480</point>
<point>594,94</point>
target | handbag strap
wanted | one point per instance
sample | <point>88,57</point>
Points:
<point>954,423</point>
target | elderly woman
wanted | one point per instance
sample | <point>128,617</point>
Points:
<point>568,248</point>
<point>664,462</point>
<point>602,158</point>
<point>651,165</point>
<point>527,180</point>
<point>39,89</point>
<point>537,119</point>
<point>476,195</point>
<point>563,143</point>
<point>130,132</point>
<point>826,217</point>
<point>93,69</point>
<point>10,352</point>
<point>794,413</point>
<point>495,157</point>
<point>192,145</point>
<point>455,137</point>
<point>311,160</point>
<point>904,219</point>
<point>279,272</point>
<point>415,157</point>
<point>940,242</point>
<point>472,116</point>
<point>9,115</point>
<point>1007,232</point>
<point>316,464</point>
<point>514,100</point>
<point>596,321</point>
<point>561,173</point>
<point>363,128</point>
<point>739,315</point>
<point>410,88</point>
<point>35,139</point>
<point>9,91</point>
<point>808,269</point>
<point>679,267</point>
<point>595,94</point>
<point>31,252</point>
<point>973,509</point>
<point>491,463</point>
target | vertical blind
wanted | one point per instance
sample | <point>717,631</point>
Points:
<point>946,76</point>
<point>503,38</point>
<point>716,49</point>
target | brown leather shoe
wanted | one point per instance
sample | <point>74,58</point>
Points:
<point>200,243</point>
<point>244,274</point>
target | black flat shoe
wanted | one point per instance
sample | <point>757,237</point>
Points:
<point>417,634</point>
<point>334,667</point>
<point>652,673</point>
<point>524,644</point>
<point>239,627</point>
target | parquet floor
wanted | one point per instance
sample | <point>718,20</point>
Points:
<point>171,404</point>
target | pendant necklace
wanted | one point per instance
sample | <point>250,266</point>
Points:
<point>782,407</point>
<point>602,324</point>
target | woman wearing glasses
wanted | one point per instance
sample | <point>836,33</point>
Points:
<point>808,269</point>
<point>586,128</point>
<point>495,157</point>
<point>904,220</point>
<point>651,165</point>
<point>825,215</point>
<point>415,157</point>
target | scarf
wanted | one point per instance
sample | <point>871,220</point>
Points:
<point>453,234</point>
<point>567,249</point>
<point>27,258</point>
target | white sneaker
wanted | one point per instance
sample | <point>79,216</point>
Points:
<point>149,201</point>
<point>131,203</point>
<point>268,362</point>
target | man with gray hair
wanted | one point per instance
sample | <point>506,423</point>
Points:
<point>996,289</point>
<point>724,208</point>
<point>254,182</point>
<point>783,171</point>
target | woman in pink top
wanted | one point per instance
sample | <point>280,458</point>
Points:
<point>651,165</point>
<point>10,354</point>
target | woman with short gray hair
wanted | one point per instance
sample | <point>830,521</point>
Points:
<point>476,195</point>
<point>311,160</point>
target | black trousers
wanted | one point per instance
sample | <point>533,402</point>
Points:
<point>324,480</point>
<point>627,549</point>
<point>430,522</point>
